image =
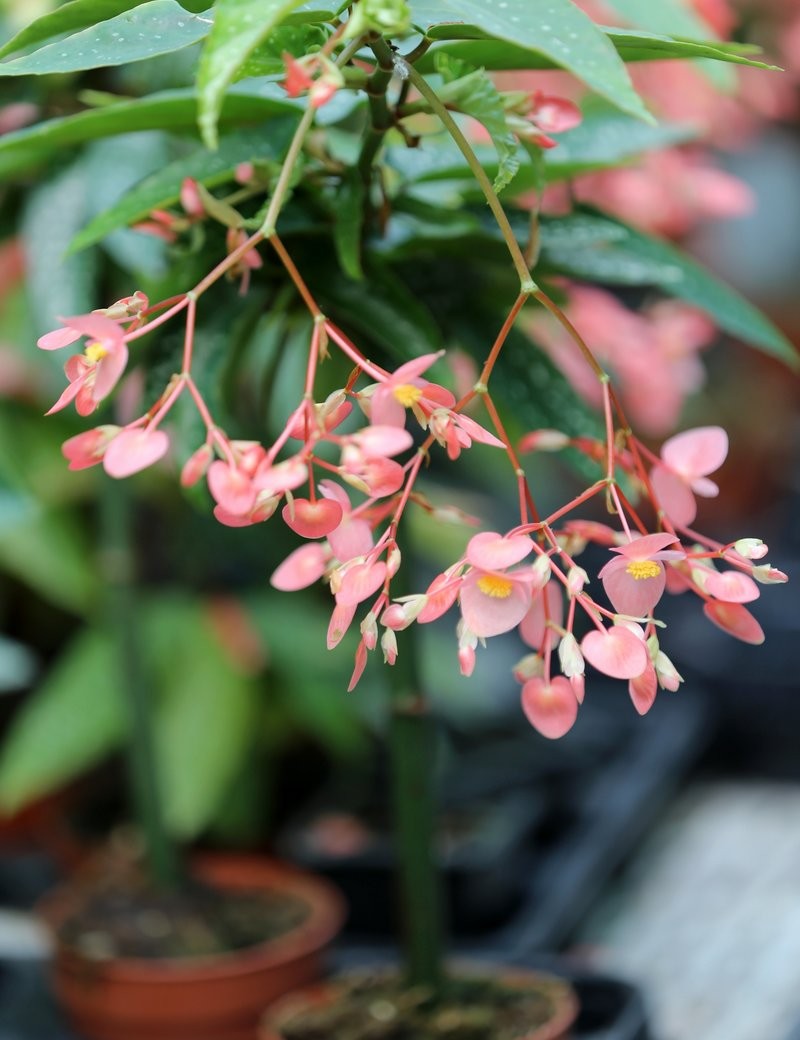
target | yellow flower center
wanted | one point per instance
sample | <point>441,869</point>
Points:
<point>496,586</point>
<point>407,395</point>
<point>639,569</point>
<point>95,352</point>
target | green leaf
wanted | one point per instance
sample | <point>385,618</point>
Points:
<point>162,189</point>
<point>555,30</point>
<point>49,552</point>
<point>348,224</point>
<point>239,27</point>
<point>267,58</point>
<point>167,110</point>
<point>631,45</point>
<point>72,721</point>
<point>597,248</point>
<point>474,94</point>
<point>670,17</point>
<point>205,722</point>
<point>75,14</point>
<point>153,28</point>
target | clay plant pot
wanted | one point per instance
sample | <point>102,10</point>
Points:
<point>559,992</point>
<point>201,998</point>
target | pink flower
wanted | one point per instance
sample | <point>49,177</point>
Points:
<point>455,431</point>
<point>301,568</point>
<point>547,115</point>
<point>94,374</point>
<point>493,599</point>
<point>736,620</point>
<point>404,389</point>
<point>88,448</point>
<point>686,461</point>
<point>313,73</point>
<point>634,581</point>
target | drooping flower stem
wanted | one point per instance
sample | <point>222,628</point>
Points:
<point>118,558</point>
<point>526,282</point>
<point>412,750</point>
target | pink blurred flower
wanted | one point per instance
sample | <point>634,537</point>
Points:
<point>686,461</point>
<point>94,374</point>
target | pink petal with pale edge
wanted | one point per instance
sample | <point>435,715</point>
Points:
<point>361,581</point>
<point>383,441</point>
<point>57,339</point>
<point>704,487</point>
<point>547,605</point>
<point>95,326</point>
<point>616,652</point>
<point>69,394</point>
<point>643,689</point>
<point>674,496</point>
<point>696,453</point>
<point>300,569</point>
<point>644,548</point>
<point>134,450</point>
<point>341,619</point>
<point>630,595</point>
<point>731,586</point>
<point>492,552</point>
<point>361,664</point>
<point>551,708</point>
<point>109,371</point>
<point>490,615</point>
<point>554,115</point>
<point>231,488</point>
<point>442,594</point>
<point>477,432</point>
<point>312,519</point>
<point>351,538</point>
<point>411,370</point>
<point>736,620</point>
<point>382,476</point>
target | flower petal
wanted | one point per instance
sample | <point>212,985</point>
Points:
<point>312,519</point>
<point>674,496</point>
<point>490,551</point>
<point>134,450</point>
<point>551,708</point>
<point>736,620</point>
<point>488,615</point>
<point>630,595</point>
<point>696,453</point>
<point>616,652</point>
<point>301,568</point>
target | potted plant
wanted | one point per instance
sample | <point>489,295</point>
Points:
<point>353,224</point>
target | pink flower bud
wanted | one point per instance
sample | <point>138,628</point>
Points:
<point>769,575</point>
<point>389,646</point>
<point>531,666</point>
<point>669,678</point>
<point>544,440</point>
<point>751,548</point>
<point>577,578</point>
<point>393,560</point>
<point>191,199</point>
<point>369,630</point>
<point>195,467</point>
<point>570,656</point>
<point>466,660</point>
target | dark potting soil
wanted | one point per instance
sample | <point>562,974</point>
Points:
<point>128,917</point>
<point>379,1007</point>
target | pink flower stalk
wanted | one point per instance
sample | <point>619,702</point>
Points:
<point>494,599</point>
<point>686,461</point>
<point>634,581</point>
<point>94,374</point>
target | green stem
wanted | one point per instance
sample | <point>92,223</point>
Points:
<point>526,282</point>
<point>381,118</point>
<point>412,752</point>
<point>119,569</point>
<point>288,168</point>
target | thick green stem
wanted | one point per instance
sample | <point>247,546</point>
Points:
<point>381,119</point>
<point>412,752</point>
<point>118,557</point>
<point>526,282</point>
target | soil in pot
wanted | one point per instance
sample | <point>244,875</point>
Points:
<point>377,1006</point>
<point>123,915</point>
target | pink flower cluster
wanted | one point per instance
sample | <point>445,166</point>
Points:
<point>343,471</point>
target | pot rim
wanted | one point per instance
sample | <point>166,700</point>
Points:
<point>327,912</point>
<point>565,1002</point>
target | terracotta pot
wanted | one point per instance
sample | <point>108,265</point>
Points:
<point>563,999</point>
<point>200,998</point>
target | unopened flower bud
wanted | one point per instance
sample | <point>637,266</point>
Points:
<point>400,615</point>
<point>389,646</point>
<point>190,197</point>
<point>529,667</point>
<point>669,678</point>
<point>769,575</point>
<point>393,560</point>
<point>369,630</point>
<point>543,440</point>
<point>195,467</point>
<point>751,548</point>
<point>354,480</point>
<point>570,656</point>
<point>542,570</point>
<point>466,660</point>
<point>577,578</point>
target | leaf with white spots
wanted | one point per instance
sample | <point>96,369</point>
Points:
<point>554,29</point>
<point>155,28</point>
